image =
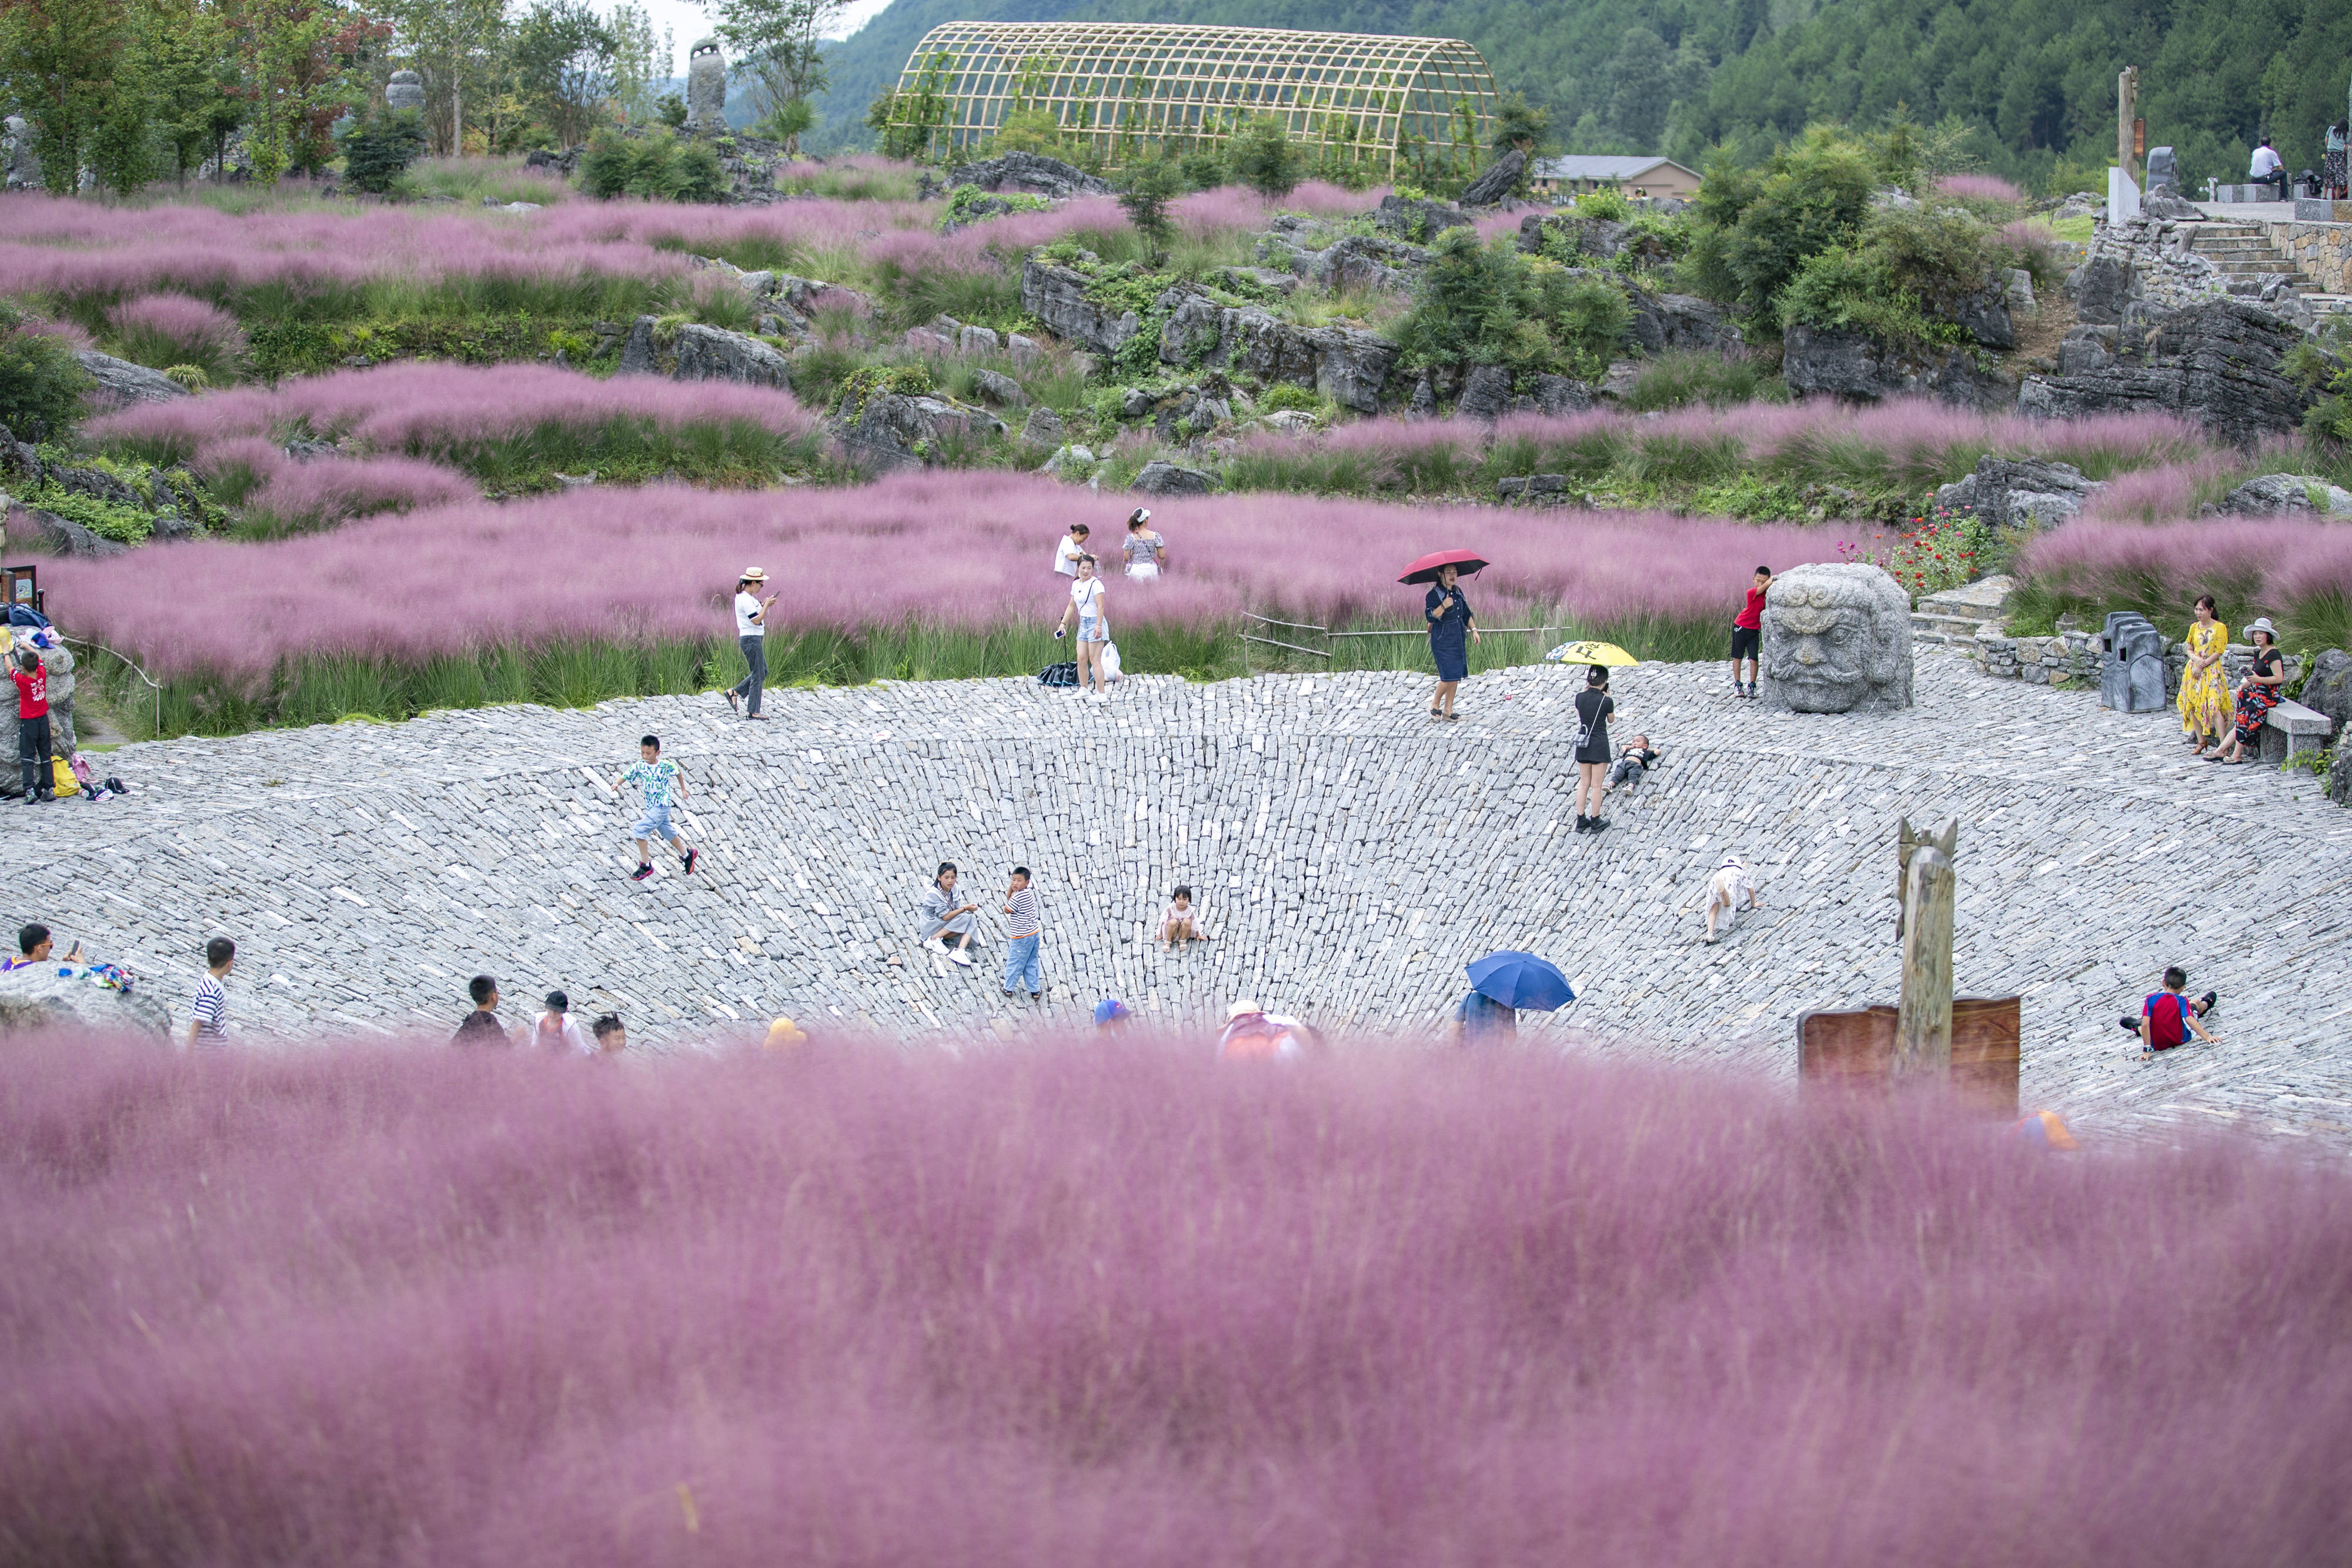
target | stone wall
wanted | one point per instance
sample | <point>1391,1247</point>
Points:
<point>2324,252</point>
<point>2042,660</point>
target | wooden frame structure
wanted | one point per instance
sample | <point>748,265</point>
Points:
<point>1121,87</point>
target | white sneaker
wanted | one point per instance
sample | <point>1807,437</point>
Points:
<point>959,956</point>
<point>936,945</point>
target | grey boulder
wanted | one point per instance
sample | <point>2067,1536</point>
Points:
<point>1417,218</point>
<point>62,995</point>
<point>693,352</point>
<point>121,383</point>
<point>1031,172</point>
<point>1057,296</point>
<point>898,430</point>
<point>61,536</point>
<point>2279,495</point>
<point>2218,364</point>
<point>1044,428</point>
<point>1501,178</point>
<point>1160,478</point>
<point>2013,494</point>
<point>1851,365</point>
<point>2328,689</point>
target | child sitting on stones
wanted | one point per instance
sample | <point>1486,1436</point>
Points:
<point>1178,922</point>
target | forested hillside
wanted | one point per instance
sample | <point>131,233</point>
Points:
<point>2025,88</point>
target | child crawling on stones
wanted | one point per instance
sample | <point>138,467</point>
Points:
<point>1180,922</point>
<point>1729,883</point>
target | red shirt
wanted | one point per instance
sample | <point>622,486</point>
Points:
<point>2167,1015</point>
<point>1752,618</point>
<point>32,693</point>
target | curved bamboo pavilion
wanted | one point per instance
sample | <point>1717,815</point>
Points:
<point>1130,86</point>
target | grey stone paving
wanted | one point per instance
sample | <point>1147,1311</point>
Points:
<point>1353,855</point>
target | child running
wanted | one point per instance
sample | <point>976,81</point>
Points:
<point>658,778</point>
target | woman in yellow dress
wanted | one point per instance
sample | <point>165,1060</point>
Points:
<point>2204,702</point>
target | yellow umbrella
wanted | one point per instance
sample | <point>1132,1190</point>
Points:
<point>1590,653</point>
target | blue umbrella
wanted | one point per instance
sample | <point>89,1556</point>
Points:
<point>1521,980</point>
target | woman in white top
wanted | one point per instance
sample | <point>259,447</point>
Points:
<point>1094,627</point>
<point>1145,551</point>
<point>1067,553</point>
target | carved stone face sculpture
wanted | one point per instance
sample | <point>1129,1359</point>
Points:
<point>1837,639</point>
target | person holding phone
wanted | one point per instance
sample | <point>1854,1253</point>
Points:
<point>752,636</point>
<point>1086,606</point>
<point>1452,625</point>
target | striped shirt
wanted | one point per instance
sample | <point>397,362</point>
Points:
<point>1024,921</point>
<point>210,1010</point>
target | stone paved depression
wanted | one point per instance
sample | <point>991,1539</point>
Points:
<point>1351,856</point>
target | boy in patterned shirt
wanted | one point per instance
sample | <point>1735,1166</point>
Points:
<point>662,782</point>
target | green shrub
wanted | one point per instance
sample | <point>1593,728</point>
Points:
<point>378,151</point>
<point>1676,379</point>
<point>964,208</point>
<point>1493,305</point>
<point>908,380</point>
<point>1263,157</point>
<point>1608,201</point>
<point>1812,195</point>
<point>108,519</point>
<point>1288,396</point>
<point>657,168</point>
<point>41,382</point>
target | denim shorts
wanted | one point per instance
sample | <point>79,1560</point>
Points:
<point>655,824</point>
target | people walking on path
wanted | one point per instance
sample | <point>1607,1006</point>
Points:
<point>1633,762</point>
<point>752,636</point>
<point>208,1012</point>
<point>33,727</point>
<point>1023,931</point>
<point>1748,633</point>
<point>481,1026</point>
<point>558,1031</point>
<point>2204,700</point>
<point>1452,627</point>
<point>1731,883</point>
<point>2259,691</point>
<point>58,660</point>
<point>1593,706</point>
<point>1069,549</point>
<point>2166,1017</point>
<point>947,924</point>
<point>1145,551</point>
<point>662,783</point>
<point>1180,922</point>
<point>1086,607</point>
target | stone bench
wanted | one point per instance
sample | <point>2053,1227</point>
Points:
<point>2290,729</point>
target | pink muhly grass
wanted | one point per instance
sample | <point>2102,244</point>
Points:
<point>2280,565</point>
<point>930,548</point>
<point>1115,1303</point>
<point>419,408</point>
<point>70,333</point>
<point>197,331</point>
<point>1978,188</point>
<point>321,491</point>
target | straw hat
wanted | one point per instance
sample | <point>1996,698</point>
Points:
<point>1242,1009</point>
<point>2263,623</point>
<point>753,574</point>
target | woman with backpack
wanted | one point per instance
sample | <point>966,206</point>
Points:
<point>1593,706</point>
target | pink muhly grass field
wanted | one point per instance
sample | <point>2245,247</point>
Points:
<point>2272,562</point>
<point>1110,1303</point>
<point>933,547</point>
<point>1978,188</point>
<point>417,407</point>
<point>321,491</point>
<point>198,331</point>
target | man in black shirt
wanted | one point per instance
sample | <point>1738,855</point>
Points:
<point>481,1026</point>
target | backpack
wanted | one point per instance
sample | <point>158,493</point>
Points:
<point>2161,1024</point>
<point>63,782</point>
<point>1062,674</point>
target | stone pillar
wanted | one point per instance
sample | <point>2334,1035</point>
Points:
<point>706,87</point>
<point>1923,1023</point>
<point>405,93</point>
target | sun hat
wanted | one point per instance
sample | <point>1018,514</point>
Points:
<point>1141,515</point>
<point>1243,1008</point>
<point>1109,1008</point>
<point>753,574</point>
<point>2263,623</point>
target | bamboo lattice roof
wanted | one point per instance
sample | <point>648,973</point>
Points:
<point>1111,81</point>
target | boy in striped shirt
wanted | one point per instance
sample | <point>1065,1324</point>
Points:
<point>208,1014</point>
<point>1022,931</point>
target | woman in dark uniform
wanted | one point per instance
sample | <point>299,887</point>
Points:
<point>1451,627</point>
<point>1593,706</point>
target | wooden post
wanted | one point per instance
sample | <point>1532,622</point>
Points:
<point>2126,111</point>
<point>1923,1027</point>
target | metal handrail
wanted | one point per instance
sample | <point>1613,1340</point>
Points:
<point>133,666</point>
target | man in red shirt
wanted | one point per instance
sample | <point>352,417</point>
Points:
<point>1748,634</point>
<point>33,725</point>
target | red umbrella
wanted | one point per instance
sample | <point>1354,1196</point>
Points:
<point>1425,568</point>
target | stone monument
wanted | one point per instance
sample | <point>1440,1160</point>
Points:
<point>706,87</point>
<point>405,93</point>
<point>2163,173</point>
<point>19,168</point>
<point>2131,669</point>
<point>1837,639</point>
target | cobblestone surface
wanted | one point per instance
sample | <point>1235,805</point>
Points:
<point>1353,855</point>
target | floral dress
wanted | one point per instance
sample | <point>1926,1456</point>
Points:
<point>2257,703</point>
<point>2204,700</point>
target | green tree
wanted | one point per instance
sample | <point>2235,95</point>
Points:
<point>377,152</point>
<point>41,382</point>
<point>191,75</point>
<point>1519,123</point>
<point>1759,229</point>
<point>642,61</point>
<point>56,61</point>
<point>1263,157</point>
<point>778,46</point>
<point>563,62</point>
<point>1145,190</point>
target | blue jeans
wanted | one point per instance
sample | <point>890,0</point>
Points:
<point>1021,962</point>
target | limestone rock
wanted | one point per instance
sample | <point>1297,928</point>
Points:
<point>2172,207</point>
<point>1044,428</point>
<point>1364,262</point>
<point>1485,395</point>
<point>2278,494</point>
<point>63,996</point>
<point>1619,380</point>
<point>999,388</point>
<point>2217,363</point>
<point>2329,690</point>
<point>1057,296</point>
<point>1159,478</point>
<point>2007,493</point>
<point>121,383</point>
<point>1561,394</point>
<point>1985,317</point>
<point>1068,459</point>
<point>1417,219</point>
<point>2100,289</point>
<point>1032,172</point>
<point>899,430</point>
<point>1025,351</point>
<point>1850,365</point>
<point>1687,322</point>
<point>1501,178</point>
<point>59,536</point>
<point>693,352</point>
<point>1837,639</point>
<point>1345,364</point>
<point>706,87</point>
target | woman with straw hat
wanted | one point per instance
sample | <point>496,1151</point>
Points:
<point>2259,691</point>
<point>752,636</point>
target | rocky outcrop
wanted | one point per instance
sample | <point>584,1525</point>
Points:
<point>20,167</point>
<point>2217,363</point>
<point>1345,364</point>
<point>1366,262</point>
<point>1851,365</point>
<point>1501,178</point>
<point>31,527</point>
<point>119,383</point>
<point>2339,777</point>
<point>65,996</point>
<point>901,430</point>
<point>1679,322</point>
<point>689,351</point>
<point>2007,493</point>
<point>1567,235</point>
<point>2149,260</point>
<point>2329,690</point>
<point>1044,428</point>
<point>1416,218</point>
<point>1487,396</point>
<point>1031,172</point>
<point>1170,479</point>
<point>2284,495</point>
<point>1057,296</point>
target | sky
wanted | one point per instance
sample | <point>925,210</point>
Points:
<point>691,22</point>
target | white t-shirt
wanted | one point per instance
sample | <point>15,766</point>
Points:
<point>2266,162</point>
<point>574,1037</point>
<point>1066,555</point>
<point>1087,593</point>
<point>746,608</point>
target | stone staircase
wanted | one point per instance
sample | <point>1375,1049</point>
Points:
<point>2244,250</point>
<point>1956,614</point>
